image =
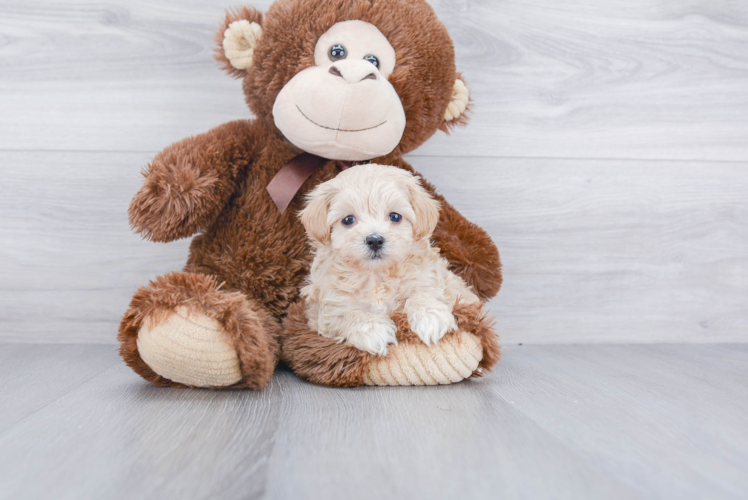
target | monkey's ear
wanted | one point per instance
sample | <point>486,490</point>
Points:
<point>459,106</point>
<point>237,38</point>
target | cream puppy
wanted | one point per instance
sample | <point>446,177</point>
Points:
<point>370,228</point>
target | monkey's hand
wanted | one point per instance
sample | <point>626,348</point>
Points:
<point>188,184</point>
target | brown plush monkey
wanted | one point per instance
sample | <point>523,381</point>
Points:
<point>331,82</point>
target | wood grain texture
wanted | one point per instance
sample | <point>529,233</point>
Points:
<point>648,415</point>
<point>118,437</point>
<point>34,376</point>
<point>563,422</point>
<point>593,251</point>
<point>575,79</point>
<point>69,263</point>
<point>615,248</point>
<point>610,251</point>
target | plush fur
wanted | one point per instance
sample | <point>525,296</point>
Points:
<point>214,184</point>
<point>353,290</point>
<point>250,328</point>
<point>325,361</point>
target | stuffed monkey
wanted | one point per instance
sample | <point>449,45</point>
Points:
<point>332,83</point>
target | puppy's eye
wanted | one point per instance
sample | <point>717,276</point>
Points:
<point>396,218</point>
<point>337,52</point>
<point>349,221</point>
<point>372,59</point>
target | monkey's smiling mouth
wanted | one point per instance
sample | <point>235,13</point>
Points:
<point>338,129</point>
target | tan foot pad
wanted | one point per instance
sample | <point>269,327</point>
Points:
<point>190,348</point>
<point>453,359</point>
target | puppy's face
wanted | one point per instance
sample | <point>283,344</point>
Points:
<point>370,215</point>
<point>371,225</point>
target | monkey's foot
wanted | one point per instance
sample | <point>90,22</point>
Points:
<point>190,348</point>
<point>184,330</point>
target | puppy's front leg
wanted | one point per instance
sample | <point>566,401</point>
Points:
<point>429,317</point>
<point>365,330</point>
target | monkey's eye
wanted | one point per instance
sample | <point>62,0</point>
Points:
<point>337,52</point>
<point>372,59</point>
<point>396,218</point>
<point>349,221</point>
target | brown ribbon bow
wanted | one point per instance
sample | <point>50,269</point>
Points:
<point>289,179</point>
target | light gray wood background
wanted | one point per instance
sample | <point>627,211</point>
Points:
<point>607,157</point>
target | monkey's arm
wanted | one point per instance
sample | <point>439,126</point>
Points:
<point>188,184</point>
<point>470,251</point>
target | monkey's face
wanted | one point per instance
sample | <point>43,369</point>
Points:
<point>347,80</point>
<point>344,107</point>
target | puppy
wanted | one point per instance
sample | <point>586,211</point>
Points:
<point>370,228</point>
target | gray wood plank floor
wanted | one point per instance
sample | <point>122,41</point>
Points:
<point>576,422</point>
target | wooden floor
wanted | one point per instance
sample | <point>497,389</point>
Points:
<point>599,422</point>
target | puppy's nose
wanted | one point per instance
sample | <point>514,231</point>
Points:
<point>375,242</point>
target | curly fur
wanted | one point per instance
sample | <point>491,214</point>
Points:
<point>352,291</point>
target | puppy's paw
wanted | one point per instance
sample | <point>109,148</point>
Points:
<point>431,321</point>
<point>374,336</point>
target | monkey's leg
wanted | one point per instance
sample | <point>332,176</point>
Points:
<point>183,331</point>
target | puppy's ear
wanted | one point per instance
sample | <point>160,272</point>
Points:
<point>314,214</point>
<point>426,209</point>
